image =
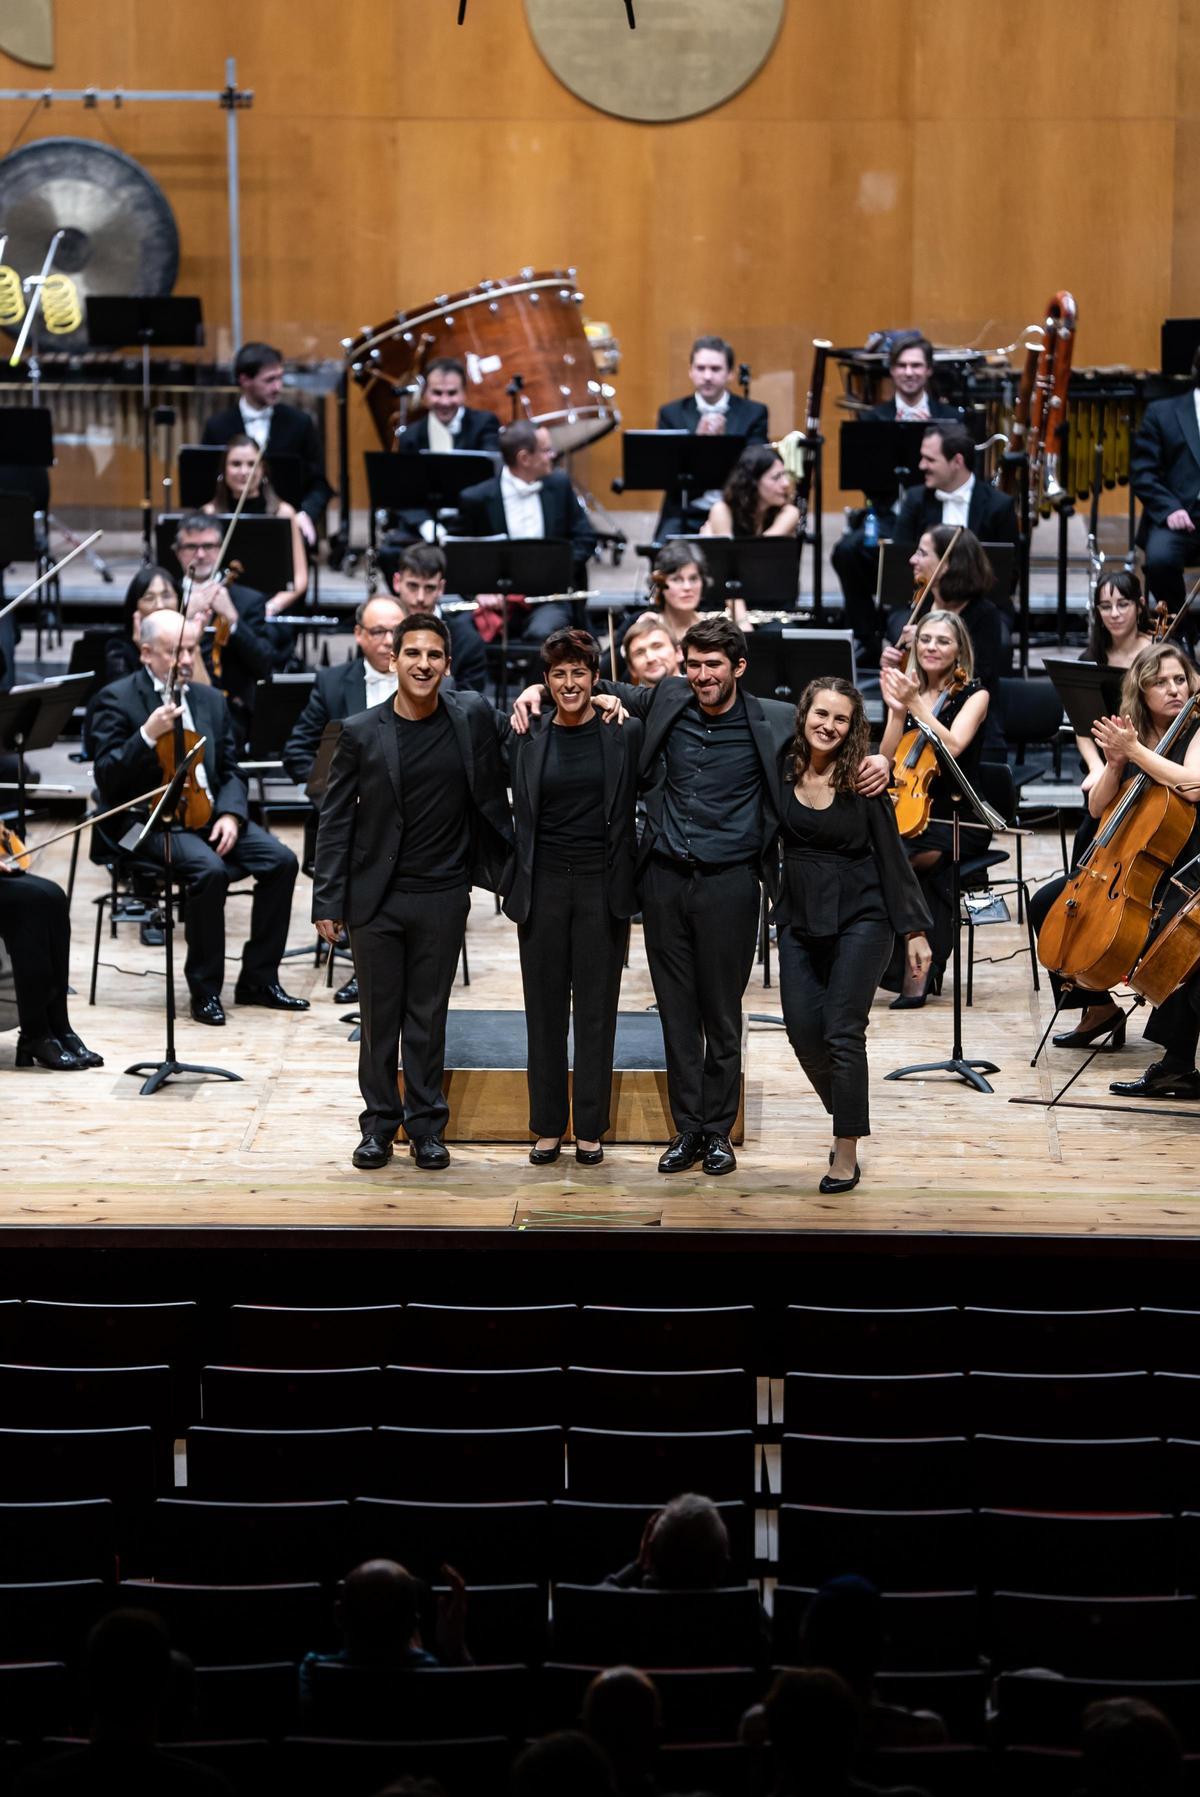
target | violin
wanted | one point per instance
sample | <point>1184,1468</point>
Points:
<point>195,806</point>
<point>1165,625</point>
<point>915,769</point>
<point>15,858</point>
<point>1097,927</point>
<point>223,628</point>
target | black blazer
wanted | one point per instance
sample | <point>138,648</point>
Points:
<point>360,838</point>
<point>1164,468</point>
<point>478,431</point>
<point>248,656</point>
<point>906,907</point>
<point>339,692</point>
<point>123,764</point>
<point>745,417</point>
<point>885,411</point>
<point>292,432</point>
<point>481,514</point>
<point>991,514</point>
<point>620,747</point>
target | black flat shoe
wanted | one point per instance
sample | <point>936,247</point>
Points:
<point>543,1157</point>
<point>347,994</point>
<point>49,1052</point>
<point>683,1152</point>
<point>831,1185</point>
<point>719,1156</point>
<point>208,1010</point>
<point>87,1057</point>
<point>1159,1082</point>
<point>430,1153</point>
<point>272,997</point>
<point>589,1157</point>
<point>1113,1027</point>
<point>372,1152</point>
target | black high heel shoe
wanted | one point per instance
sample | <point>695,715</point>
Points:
<point>542,1157</point>
<point>87,1057</point>
<point>1115,1028</point>
<point>913,1001</point>
<point>830,1185</point>
<point>588,1157</point>
<point>47,1051</point>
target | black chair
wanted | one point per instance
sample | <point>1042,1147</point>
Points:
<point>1175,1404</point>
<point>232,1625</point>
<point>1086,1406</point>
<point>1046,1712</point>
<point>1171,1338</point>
<point>958,1696</point>
<point>918,1629</point>
<point>898,1550</point>
<point>461,1466</point>
<point>237,1397</point>
<point>608,1398</point>
<point>207,1542</point>
<point>245,1765</point>
<point>699,1703</point>
<point>818,1339</point>
<point>56,1333</point>
<point>1052,1341</point>
<point>1113,1556</point>
<point>311,1767</point>
<point>667,1340</point>
<point>603,1626</point>
<point>272,1335</point>
<point>38,1397</point>
<point>245,1701</point>
<point>394,1703</point>
<point>1096,1637</point>
<point>720,1768</point>
<point>74,1539</point>
<point>1012,1473</point>
<point>589,1541</point>
<point>875,1404</point>
<point>906,1475</point>
<point>470,1337</point>
<point>950,1771</point>
<point>49,1620</point>
<point>486,1543</point>
<point>995,784</point>
<point>267,1465</point>
<point>1031,712</point>
<point>613,1466</point>
<point>506,1623</point>
<point>418,1397</point>
<point>34,1700</point>
<point>48,1464</point>
<point>1038,1772</point>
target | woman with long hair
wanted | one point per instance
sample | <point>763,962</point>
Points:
<point>847,892</point>
<point>151,589</point>
<point>757,501</point>
<point>243,472</point>
<point>679,583</point>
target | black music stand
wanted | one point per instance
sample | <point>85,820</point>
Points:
<point>877,455</point>
<point>200,466</point>
<point>426,482</point>
<point>169,322</point>
<point>262,545</point>
<point>781,663</point>
<point>34,717</point>
<point>533,567</point>
<point>680,462</point>
<point>163,815</point>
<point>1088,691</point>
<point>764,572</point>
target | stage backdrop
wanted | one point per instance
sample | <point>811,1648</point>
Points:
<point>949,166</point>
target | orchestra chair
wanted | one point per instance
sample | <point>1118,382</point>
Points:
<point>365,1702</point>
<point>1007,1340</point>
<point>65,1538</point>
<point>875,1405</point>
<point>206,1541</point>
<point>1062,1406</point>
<point>611,1398</point>
<point>915,1474</point>
<point>604,1626</point>
<point>487,1338</point>
<point>228,1625</point>
<point>486,1542</point>
<point>1046,1551</point>
<point>467,1465</point>
<point>898,1550</point>
<point>1047,1712</point>
<point>273,1465</point>
<point>819,1339</point>
<point>310,1767</point>
<point>245,1701</point>
<point>918,1630</point>
<point>239,1397</point>
<point>424,1397</point>
<point>644,1340</point>
<point>624,1466</point>
<point>1096,1637</point>
<point>272,1335</point>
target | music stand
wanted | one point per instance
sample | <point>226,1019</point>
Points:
<point>262,545</point>
<point>1088,691</point>
<point>764,572</point>
<point>426,482</point>
<point>533,567</point>
<point>167,321</point>
<point>200,466</point>
<point>34,717</point>
<point>876,455</point>
<point>781,663</point>
<point>679,462</point>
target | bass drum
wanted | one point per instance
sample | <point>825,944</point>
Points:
<point>530,328</point>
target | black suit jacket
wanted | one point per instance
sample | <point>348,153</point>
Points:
<point>481,513</point>
<point>620,748</point>
<point>745,417</point>
<point>125,766</point>
<point>248,656</point>
<point>339,692</point>
<point>991,514</point>
<point>292,432</point>
<point>478,431</point>
<point>1165,464</point>
<point>360,839</point>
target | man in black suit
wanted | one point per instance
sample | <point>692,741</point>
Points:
<point>710,410</point>
<point>417,577</point>
<point>128,719</point>
<point>1165,474</point>
<point>246,656</point>
<point>448,422</point>
<point>277,428</point>
<point>952,494</point>
<point>527,500</point>
<point>415,814</point>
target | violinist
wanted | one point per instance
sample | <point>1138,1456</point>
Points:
<point>758,498</point>
<point>35,925</point>
<point>242,473</point>
<point>1120,629</point>
<point>238,654</point>
<point>151,589</point>
<point>136,743</point>
<point>964,585</point>
<point>943,694</point>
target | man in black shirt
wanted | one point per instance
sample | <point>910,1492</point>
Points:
<point>416,812</point>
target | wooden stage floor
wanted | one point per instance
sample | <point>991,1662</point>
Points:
<point>86,1153</point>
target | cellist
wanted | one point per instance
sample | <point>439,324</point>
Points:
<point>942,693</point>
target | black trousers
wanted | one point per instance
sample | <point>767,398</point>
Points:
<point>207,878</point>
<point>700,931</point>
<point>1175,1025</point>
<point>1168,553</point>
<point>857,567</point>
<point>404,960</point>
<point>572,958</point>
<point>826,984</point>
<point>36,926</point>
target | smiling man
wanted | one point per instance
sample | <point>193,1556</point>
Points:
<point>710,410</point>
<point>415,814</point>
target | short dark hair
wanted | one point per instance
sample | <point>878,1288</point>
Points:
<point>716,631</point>
<point>192,521</point>
<point>522,434</point>
<point>717,344</point>
<point>446,365</point>
<point>570,644</point>
<point>681,554</point>
<point>252,358</point>
<point>145,576</point>
<point>421,620</point>
<point>956,439</point>
<point>1128,1745</point>
<point>425,560</point>
<point>913,340</point>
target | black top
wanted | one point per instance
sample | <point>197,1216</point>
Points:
<point>968,761</point>
<point>713,801</point>
<point>830,874</point>
<point>570,825</point>
<point>435,792</point>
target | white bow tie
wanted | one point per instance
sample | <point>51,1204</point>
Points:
<point>526,486</point>
<point>958,495</point>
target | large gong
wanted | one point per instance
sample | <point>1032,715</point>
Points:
<point>120,233</point>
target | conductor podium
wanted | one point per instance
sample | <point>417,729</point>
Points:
<point>489,1100</point>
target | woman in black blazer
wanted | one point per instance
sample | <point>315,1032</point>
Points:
<point>570,890</point>
<point>847,890</point>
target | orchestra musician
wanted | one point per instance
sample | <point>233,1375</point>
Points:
<point>757,501</point>
<point>570,891</point>
<point>711,409</point>
<point>1165,474</point>
<point>651,649</point>
<point>1119,630</point>
<point>151,589</point>
<point>128,719</point>
<point>243,473</point>
<point>943,693</point>
<point>274,427</point>
<point>964,586</point>
<point>245,656</point>
<point>447,422</point>
<point>910,365</point>
<point>847,893</point>
<point>35,925</point>
<point>416,575</point>
<point>678,583</point>
<point>951,493</point>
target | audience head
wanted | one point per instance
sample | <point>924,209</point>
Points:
<point>378,1610</point>
<point>758,486</point>
<point>680,577</point>
<point>1156,686</point>
<point>258,368</point>
<point>843,1631</point>
<point>128,1672</point>
<point>943,643</point>
<point>687,1545</point>
<point>445,388</point>
<point>710,366</point>
<point>910,364</point>
<point>151,589</point>
<point>947,456</point>
<point>416,573</point>
<point>1119,614</point>
<point>375,624</point>
<point>831,723</point>
<point>623,1715</point>
<point>812,1719</point>
<point>567,1764</point>
<point>1129,1750</point>
<point>651,650</point>
<point>527,450</point>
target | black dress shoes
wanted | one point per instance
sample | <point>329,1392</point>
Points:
<point>430,1153</point>
<point>589,1157</point>
<point>1112,1027</point>
<point>719,1156</point>
<point>544,1157</point>
<point>830,1185</point>
<point>272,997</point>
<point>683,1152</point>
<point>1159,1082</point>
<point>208,1010</point>
<point>152,931</point>
<point>347,994</point>
<point>87,1057</point>
<point>372,1152</point>
<point>47,1051</point>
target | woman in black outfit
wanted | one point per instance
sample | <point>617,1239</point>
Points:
<point>571,893</point>
<point>847,891</point>
<point>36,929</point>
<point>151,589</point>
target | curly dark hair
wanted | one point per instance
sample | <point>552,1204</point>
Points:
<point>854,747</point>
<point>741,489</point>
<point>1128,586</point>
<point>569,644</point>
<point>968,572</point>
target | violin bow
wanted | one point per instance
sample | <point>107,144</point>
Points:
<point>51,572</point>
<point>35,848</point>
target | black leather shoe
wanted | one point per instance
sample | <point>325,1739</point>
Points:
<point>347,994</point>
<point>430,1153</point>
<point>829,1184</point>
<point>47,1051</point>
<point>272,997</point>
<point>683,1152</point>
<point>719,1156</point>
<point>589,1157</point>
<point>372,1152</point>
<point>208,1010</point>
<point>151,932</point>
<point>1159,1082</point>
<point>1113,1027</point>
<point>544,1157</point>
<point>87,1057</point>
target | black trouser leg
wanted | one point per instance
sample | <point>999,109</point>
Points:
<point>572,958</point>
<point>273,868</point>
<point>36,926</point>
<point>544,940</point>
<point>200,870</point>
<point>1167,553</point>
<point>701,929</point>
<point>856,567</point>
<point>598,942</point>
<point>826,984</point>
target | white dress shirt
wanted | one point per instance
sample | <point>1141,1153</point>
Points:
<point>522,501</point>
<point>188,722</point>
<point>257,422</point>
<point>956,505</point>
<point>915,414</point>
<point>444,437</point>
<point>704,407</point>
<point>379,686</point>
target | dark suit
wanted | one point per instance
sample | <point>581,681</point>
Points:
<point>1165,475</point>
<point>292,432</point>
<point>744,418</point>
<point>481,514</point>
<point>991,515</point>
<point>405,945</point>
<point>573,929</point>
<point>478,431</point>
<point>246,658</point>
<point>125,766</point>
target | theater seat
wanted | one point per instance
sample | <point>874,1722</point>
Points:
<point>605,1626</point>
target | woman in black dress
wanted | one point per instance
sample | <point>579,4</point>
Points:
<point>570,891</point>
<point>847,892</point>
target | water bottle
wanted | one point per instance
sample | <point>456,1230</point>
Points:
<point>871,529</point>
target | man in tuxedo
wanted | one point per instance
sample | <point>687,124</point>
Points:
<point>1165,474</point>
<point>951,493</point>
<point>417,577</point>
<point>710,410</point>
<point>527,500</point>
<point>246,657</point>
<point>447,421</point>
<point>415,814</point>
<point>128,719</point>
<point>277,428</point>
<point>910,365</point>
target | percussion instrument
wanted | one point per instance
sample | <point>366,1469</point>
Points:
<point>524,345</point>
